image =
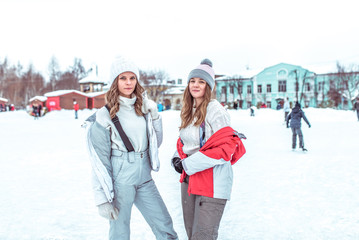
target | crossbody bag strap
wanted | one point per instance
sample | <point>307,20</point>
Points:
<point>123,135</point>
<point>202,134</point>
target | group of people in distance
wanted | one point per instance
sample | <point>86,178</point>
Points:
<point>36,110</point>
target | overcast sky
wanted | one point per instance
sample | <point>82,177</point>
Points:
<point>176,35</point>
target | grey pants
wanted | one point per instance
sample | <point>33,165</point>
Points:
<point>201,215</point>
<point>297,131</point>
<point>133,184</point>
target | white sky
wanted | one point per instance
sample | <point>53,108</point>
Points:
<point>176,35</point>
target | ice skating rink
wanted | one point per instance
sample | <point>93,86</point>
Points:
<point>277,194</point>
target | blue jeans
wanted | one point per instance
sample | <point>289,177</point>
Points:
<point>133,184</point>
<point>76,114</point>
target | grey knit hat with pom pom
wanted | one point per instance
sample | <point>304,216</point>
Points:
<point>204,71</point>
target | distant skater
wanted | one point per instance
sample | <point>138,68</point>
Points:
<point>35,111</point>
<point>39,110</point>
<point>286,109</point>
<point>252,111</point>
<point>76,108</point>
<point>295,118</point>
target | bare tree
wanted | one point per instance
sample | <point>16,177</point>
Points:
<point>3,69</point>
<point>31,84</point>
<point>304,80</point>
<point>54,72</point>
<point>343,83</point>
<point>238,85</point>
<point>19,86</point>
<point>12,85</point>
<point>235,82</point>
<point>334,93</point>
<point>27,88</point>
<point>68,80</point>
<point>348,80</point>
<point>146,77</point>
<point>155,83</point>
<point>78,70</point>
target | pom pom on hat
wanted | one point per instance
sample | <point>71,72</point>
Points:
<point>204,71</point>
<point>120,65</point>
<point>207,62</point>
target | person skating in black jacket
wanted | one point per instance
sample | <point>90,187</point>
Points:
<point>295,118</point>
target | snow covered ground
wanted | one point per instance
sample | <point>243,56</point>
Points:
<point>277,194</point>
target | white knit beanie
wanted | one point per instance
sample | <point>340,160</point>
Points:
<point>120,65</point>
<point>204,71</point>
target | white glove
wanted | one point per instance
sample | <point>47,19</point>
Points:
<point>107,210</point>
<point>150,106</point>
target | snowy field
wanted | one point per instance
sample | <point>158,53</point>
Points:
<point>277,194</point>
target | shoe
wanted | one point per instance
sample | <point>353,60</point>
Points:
<point>304,149</point>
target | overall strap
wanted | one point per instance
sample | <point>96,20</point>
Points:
<point>123,135</point>
<point>202,134</point>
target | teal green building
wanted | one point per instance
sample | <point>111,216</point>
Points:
<point>274,84</point>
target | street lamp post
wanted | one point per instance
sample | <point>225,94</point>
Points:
<point>296,84</point>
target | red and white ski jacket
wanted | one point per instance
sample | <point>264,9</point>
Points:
<point>210,169</point>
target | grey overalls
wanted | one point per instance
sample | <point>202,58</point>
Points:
<point>133,184</point>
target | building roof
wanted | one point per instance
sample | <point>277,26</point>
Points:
<point>244,74</point>
<point>40,98</point>
<point>3,99</point>
<point>319,69</point>
<point>322,68</point>
<point>91,79</point>
<point>282,65</point>
<point>63,92</point>
<point>175,90</point>
<point>231,78</point>
<point>95,94</point>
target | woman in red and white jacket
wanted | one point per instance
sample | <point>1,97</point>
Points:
<point>206,150</point>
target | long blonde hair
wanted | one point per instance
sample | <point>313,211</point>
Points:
<point>201,111</point>
<point>114,93</point>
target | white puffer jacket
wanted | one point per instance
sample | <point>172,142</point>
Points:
<point>100,144</point>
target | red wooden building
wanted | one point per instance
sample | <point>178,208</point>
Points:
<point>96,100</point>
<point>63,99</point>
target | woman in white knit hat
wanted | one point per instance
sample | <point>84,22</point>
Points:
<point>122,168</point>
<point>206,150</point>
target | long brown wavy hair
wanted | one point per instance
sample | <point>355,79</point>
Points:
<point>114,93</point>
<point>201,111</point>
